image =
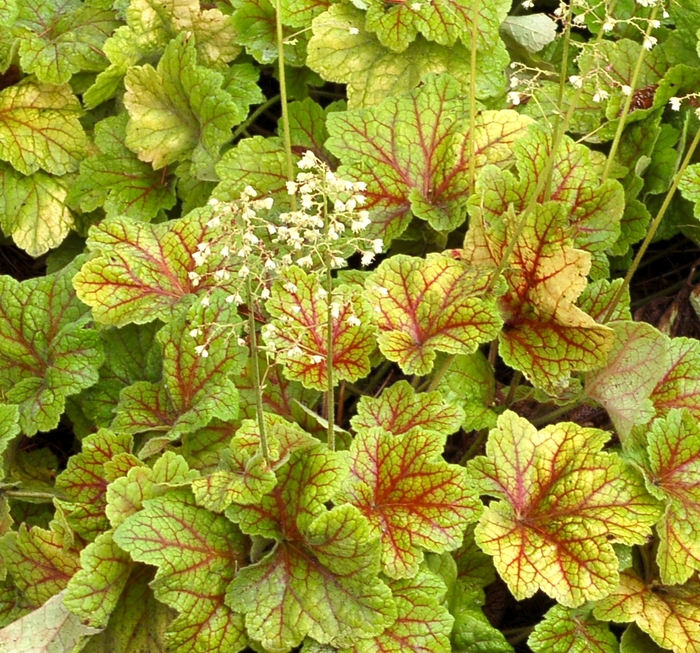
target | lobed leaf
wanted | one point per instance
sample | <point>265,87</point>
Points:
<point>58,39</point>
<point>413,153</point>
<point>422,623</point>
<point>428,305</point>
<point>194,388</point>
<point>197,554</point>
<point>413,500</point>
<point>244,476</point>
<point>567,630</point>
<point>561,504</point>
<point>299,306</point>
<point>49,629</point>
<point>670,614</point>
<point>635,365</point>
<point>83,483</point>
<point>320,580</point>
<point>178,110</point>
<point>46,351</point>
<point>39,128</point>
<point>546,335</point>
<point>672,468</point>
<point>401,410</point>
<point>32,210</point>
<point>140,272</point>
<point>679,387</point>
<point>342,50</point>
<point>117,180</point>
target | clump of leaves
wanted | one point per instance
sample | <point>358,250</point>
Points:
<point>365,383</point>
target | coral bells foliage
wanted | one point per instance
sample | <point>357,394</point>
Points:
<point>315,389</point>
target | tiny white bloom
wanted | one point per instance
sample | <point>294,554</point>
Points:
<point>528,4</point>
<point>244,272</point>
<point>609,24</point>
<point>201,350</point>
<point>675,103</point>
<point>626,90</point>
<point>416,6</point>
<point>213,201</point>
<point>225,251</point>
<point>316,358</point>
<point>655,24</point>
<point>205,301</point>
<point>291,187</point>
<point>214,222</point>
<point>576,81</point>
<point>296,308</point>
<point>195,332</point>
<point>265,293</point>
<point>649,42</point>
<point>384,292</point>
<point>249,190</point>
<point>378,245</point>
<point>353,320</point>
<point>514,97</point>
<point>241,342</point>
<point>354,31</point>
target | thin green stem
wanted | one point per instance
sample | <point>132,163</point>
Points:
<point>29,495</point>
<point>628,99</point>
<point>474,447</point>
<point>437,377</point>
<point>330,383</point>
<point>517,378</point>
<point>472,96</point>
<point>554,414</point>
<point>253,116</point>
<point>255,364</point>
<point>652,229</point>
<point>283,93</point>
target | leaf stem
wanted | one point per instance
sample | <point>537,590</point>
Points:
<point>264,449</point>
<point>31,495</point>
<point>652,229</point>
<point>283,92</point>
<point>253,116</point>
<point>517,378</point>
<point>628,99</point>
<point>330,390</point>
<point>474,447</point>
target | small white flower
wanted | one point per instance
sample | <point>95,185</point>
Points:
<point>290,287</point>
<point>267,203</point>
<point>316,358</point>
<point>675,103</point>
<point>295,352</point>
<point>244,272</point>
<point>367,258</point>
<point>337,262</point>
<point>416,6</point>
<point>353,321</point>
<point>265,293</point>
<point>296,308</point>
<point>270,264</point>
<point>213,201</point>
<point>195,332</point>
<point>194,278</point>
<point>305,261</point>
<point>609,24</point>
<point>378,245</point>
<point>291,187</point>
<point>230,299</point>
<point>626,90</point>
<point>214,222</point>
<point>205,301</point>
<point>201,350</point>
<point>241,342</point>
<point>335,309</point>
<point>354,31</point>
<point>649,42</point>
<point>383,292</point>
<point>514,97</point>
<point>579,19</point>
<point>655,24</point>
<point>528,4</point>
<point>576,81</point>
<point>225,251</point>
<point>249,190</point>
<point>360,185</point>
<point>600,95</point>
<point>338,206</point>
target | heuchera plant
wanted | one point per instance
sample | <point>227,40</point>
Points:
<point>333,351</point>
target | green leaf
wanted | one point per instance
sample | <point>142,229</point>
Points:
<point>669,613</point>
<point>9,428</point>
<point>131,354</point>
<point>84,481</point>
<point>197,554</point>
<point>472,632</point>
<point>58,39</point>
<point>138,622</point>
<point>46,351</point>
<point>690,186</point>
<point>298,332</point>
<point>178,110</point>
<point>151,27</point>
<point>320,580</point>
<point>41,561</point>
<point>635,640</point>
<point>341,50</point>
<point>39,128</point>
<point>413,500</point>
<point>545,336</point>
<point>594,209</point>
<point>566,630</point>
<point>244,476</point>
<point>470,384</point>
<point>126,495</point>
<point>428,305</point>
<point>532,31</point>
<point>401,410</point>
<point>93,592</point>
<point>194,388</point>
<point>397,26</point>
<point>413,153</point>
<point>635,365</point>
<point>116,180</point>
<point>672,467</point>
<point>561,504</point>
<point>679,387</point>
<point>596,298</point>
<point>32,210</point>
<point>255,22</point>
<point>140,272</point>
<point>49,629</point>
<point>422,622</point>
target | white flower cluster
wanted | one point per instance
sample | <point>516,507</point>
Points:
<point>325,230</point>
<point>676,102</point>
